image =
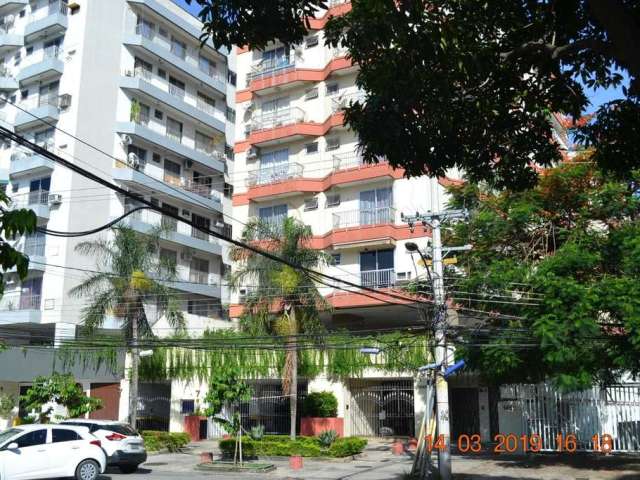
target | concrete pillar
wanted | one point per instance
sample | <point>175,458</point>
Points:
<point>484,412</point>
<point>124,390</point>
<point>419,401</point>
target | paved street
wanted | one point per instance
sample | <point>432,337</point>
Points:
<point>378,463</point>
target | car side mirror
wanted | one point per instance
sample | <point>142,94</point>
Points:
<point>12,446</point>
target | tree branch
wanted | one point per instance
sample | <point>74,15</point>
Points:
<point>557,52</point>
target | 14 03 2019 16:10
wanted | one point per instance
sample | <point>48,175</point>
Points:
<point>524,443</point>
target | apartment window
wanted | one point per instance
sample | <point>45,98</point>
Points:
<point>12,99</point>
<point>142,68</point>
<point>168,259</point>
<point>22,13</point>
<point>231,114</point>
<point>158,114</point>
<point>174,129</point>
<point>206,103</point>
<point>333,143</point>
<point>44,138</point>
<point>377,268</point>
<point>199,270</point>
<point>199,221</point>
<point>52,47</point>
<point>172,172</point>
<point>29,51</point>
<point>163,32</point>
<point>311,41</point>
<point>24,94</point>
<point>310,204</point>
<point>162,73</point>
<point>336,258</point>
<point>178,48</point>
<point>276,58</point>
<point>310,148</point>
<point>140,152</point>
<point>145,28</point>
<point>16,59</point>
<point>204,143</point>
<point>311,93</point>
<point>332,88</point>
<point>156,157</point>
<point>375,206</point>
<point>187,406</point>
<point>232,78</point>
<point>274,215</point>
<point>140,114</point>
<point>176,87</point>
<point>333,200</point>
<point>207,66</point>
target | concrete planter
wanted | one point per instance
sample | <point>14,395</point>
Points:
<point>314,426</point>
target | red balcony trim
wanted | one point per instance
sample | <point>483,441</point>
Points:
<point>320,23</point>
<point>365,233</point>
<point>312,129</point>
<point>294,75</point>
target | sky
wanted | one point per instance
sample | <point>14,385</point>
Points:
<point>193,8</point>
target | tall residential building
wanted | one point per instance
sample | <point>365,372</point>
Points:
<point>144,106</point>
<point>295,157</point>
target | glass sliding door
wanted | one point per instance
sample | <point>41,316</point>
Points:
<point>274,166</point>
<point>377,269</point>
<point>375,206</point>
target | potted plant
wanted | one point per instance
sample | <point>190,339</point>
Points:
<point>320,414</point>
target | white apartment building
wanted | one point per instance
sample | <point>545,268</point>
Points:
<point>295,157</point>
<point>130,78</point>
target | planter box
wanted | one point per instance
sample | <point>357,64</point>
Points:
<point>314,426</point>
<point>192,426</point>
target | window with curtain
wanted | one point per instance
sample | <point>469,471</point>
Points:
<point>276,58</point>
<point>273,215</point>
<point>274,166</point>
<point>174,129</point>
<point>376,268</point>
<point>375,206</point>
<point>275,112</point>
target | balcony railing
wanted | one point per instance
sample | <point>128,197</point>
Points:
<point>19,301</point>
<point>174,133</point>
<point>178,50</point>
<point>286,116</point>
<point>344,100</point>
<point>364,217</point>
<point>197,276</point>
<point>378,278</point>
<point>145,30</point>
<point>269,68</point>
<point>37,197</point>
<point>264,176</point>
<point>52,100</point>
<point>51,9</point>
<point>201,189</point>
<point>33,246</point>
<point>177,91</point>
<point>170,224</point>
<point>347,160</point>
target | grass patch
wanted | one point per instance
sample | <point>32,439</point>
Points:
<point>283,446</point>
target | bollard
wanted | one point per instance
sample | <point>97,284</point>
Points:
<point>295,462</point>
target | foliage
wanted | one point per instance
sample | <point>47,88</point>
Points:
<point>13,224</point>
<point>467,97</point>
<point>135,111</point>
<point>320,404</point>
<point>155,440</point>
<point>257,432</point>
<point>282,446</point>
<point>557,267</point>
<point>327,438</point>
<point>7,404</point>
<point>61,389</point>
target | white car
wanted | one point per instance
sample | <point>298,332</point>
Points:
<point>50,451</point>
<point>122,444</point>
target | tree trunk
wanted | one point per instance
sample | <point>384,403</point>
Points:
<point>293,389</point>
<point>133,378</point>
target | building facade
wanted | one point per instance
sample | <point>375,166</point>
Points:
<point>123,89</point>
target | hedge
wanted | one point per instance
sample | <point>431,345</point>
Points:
<point>320,404</point>
<point>155,440</point>
<point>283,446</point>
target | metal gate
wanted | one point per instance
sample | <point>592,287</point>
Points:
<point>613,410</point>
<point>382,408</point>
<point>465,412</point>
<point>154,406</point>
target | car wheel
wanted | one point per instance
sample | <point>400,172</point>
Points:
<point>128,468</point>
<point>87,470</point>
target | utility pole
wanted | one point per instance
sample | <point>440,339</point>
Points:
<point>434,220</point>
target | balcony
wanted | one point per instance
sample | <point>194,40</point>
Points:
<point>280,118</point>
<point>33,246</point>
<point>344,100</point>
<point>171,140</point>
<point>7,81</point>
<point>180,233</point>
<point>185,190</point>
<point>38,109</point>
<point>280,173</point>
<point>29,163</point>
<point>197,282</point>
<point>17,307</point>
<point>364,217</point>
<point>383,278</point>
<point>47,21</point>
<point>270,68</point>
<point>151,85</point>
<point>46,63</point>
<point>7,6</point>
<point>10,39</point>
<point>146,39</point>
<point>38,201</point>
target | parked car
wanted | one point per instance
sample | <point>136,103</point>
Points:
<point>50,451</point>
<point>122,444</point>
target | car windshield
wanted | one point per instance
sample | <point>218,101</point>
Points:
<point>7,434</point>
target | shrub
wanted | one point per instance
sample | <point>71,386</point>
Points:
<point>257,432</point>
<point>327,438</point>
<point>346,447</point>
<point>320,404</point>
<point>155,440</point>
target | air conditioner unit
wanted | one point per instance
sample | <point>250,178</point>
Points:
<point>188,164</point>
<point>186,255</point>
<point>253,153</point>
<point>55,199</point>
<point>133,161</point>
<point>64,101</point>
<point>126,140</point>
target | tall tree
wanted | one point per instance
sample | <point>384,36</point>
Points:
<point>132,278</point>
<point>557,268</point>
<point>469,84</point>
<point>281,300</point>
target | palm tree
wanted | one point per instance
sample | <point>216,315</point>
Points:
<point>128,283</point>
<point>282,300</point>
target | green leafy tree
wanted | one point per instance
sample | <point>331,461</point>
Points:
<point>227,389</point>
<point>556,267</point>
<point>61,389</point>
<point>132,277</point>
<point>282,301</point>
<point>478,78</point>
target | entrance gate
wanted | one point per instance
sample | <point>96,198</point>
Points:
<point>382,408</point>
